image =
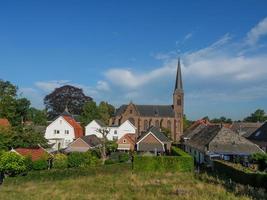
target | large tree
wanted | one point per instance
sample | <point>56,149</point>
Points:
<point>11,107</point>
<point>65,96</point>
<point>258,116</point>
<point>38,117</point>
<point>105,111</point>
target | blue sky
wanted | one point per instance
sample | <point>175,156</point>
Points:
<point>120,51</point>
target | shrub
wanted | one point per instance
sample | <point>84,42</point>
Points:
<point>239,175</point>
<point>77,159</point>
<point>28,162</point>
<point>261,160</point>
<point>40,164</point>
<point>12,164</point>
<point>175,151</point>
<point>60,161</point>
<point>124,157</point>
<point>110,161</point>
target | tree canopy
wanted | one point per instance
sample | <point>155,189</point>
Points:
<point>258,116</point>
<point>65,96</point>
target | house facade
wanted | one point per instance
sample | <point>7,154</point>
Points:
<point>83,144</point>
<point>62,131</point>
<point>153,141</point>
<point>219,142</point>
<point>127,142</point>
<point>115,132</point>
<point>145,116</point>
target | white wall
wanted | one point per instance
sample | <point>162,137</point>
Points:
<point>115,132</point>
<point>61,125</point>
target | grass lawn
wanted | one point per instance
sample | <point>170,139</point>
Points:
<point>111,182</point>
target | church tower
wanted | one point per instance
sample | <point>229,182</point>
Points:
<point>178,103</point>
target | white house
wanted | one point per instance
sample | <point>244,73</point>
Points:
<point>115,132</point>
<point>63,131</point>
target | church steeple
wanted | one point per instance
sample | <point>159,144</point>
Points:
<point>178,102</point>
<point>179,81</point>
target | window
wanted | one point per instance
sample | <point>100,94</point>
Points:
<point>115,132</point>
<point>258,133</point>
<point>169,124</point>
<point>131,111</point>
<point>115,138</point>
<point>67,132</point>
<point>146,125</point>
<point>124,141</point>
<point>60,121</point>
<point>157,123</point>
<point>179,102</point>
<point>56,131</point>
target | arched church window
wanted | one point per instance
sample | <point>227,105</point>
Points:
<point>179,101</point>
<point>146,126</point>
<point>169,124</point>
<point>157,123</point>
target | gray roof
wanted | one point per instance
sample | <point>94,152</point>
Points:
<point>245,128</point>
<point>91,140</point>
<point>260,134</point>
<point>179,81</point>
<point>149,110</point>
<point>221,140</point>
<point>102,124</point>
<point>157,133</point>
<point>191,132</point>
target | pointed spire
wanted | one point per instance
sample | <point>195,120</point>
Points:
<point>179,81</point>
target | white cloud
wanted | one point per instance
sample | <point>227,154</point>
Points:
<point>103,86</point>
<point>49,86</point>
<point>126,78</point>
<point>188,36</point>
<point>254,35</point>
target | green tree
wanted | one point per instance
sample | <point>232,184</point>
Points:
<point>12,164</point>
<point>38,117</point>
<point>11,107</point>
<point>258,116</point>
<point>105,111</point>
<point>89,113</point>
<point>166,132</point>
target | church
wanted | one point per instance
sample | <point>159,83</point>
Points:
<point>162,116</point>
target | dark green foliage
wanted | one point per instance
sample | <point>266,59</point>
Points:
<point>65,96</point>
<point>38,117</point>
<point>258,116</point>
<point>12,164</point>
<point>238,175</point>
<point>261,160</point>
<point>181,161</point>
<point>221,120</point>
<point>166,132</point>
<point>110,161</point>
<point>124,157</point>
<point>77,159</point>
<point>60,161</point>
<point>40,164</point>
<point>111,146</point>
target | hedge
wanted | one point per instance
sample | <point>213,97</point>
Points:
<point>245,177</point>
<point>181,163</point>
<point>178,152</point>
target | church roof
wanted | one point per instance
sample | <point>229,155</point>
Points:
<point>149,110</point>
<point>179,81</point>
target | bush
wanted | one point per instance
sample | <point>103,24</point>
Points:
<point>40,164</point>
<point>246,177</point>
<point>175,151</point>
<point>110,161</point>
<point>261,160</point>
<point>77,159</point>
<point>60,161</point>
<point>12,164</point>
<point>124,157</point>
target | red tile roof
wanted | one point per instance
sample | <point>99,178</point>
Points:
<point>35,153</point>
<point>78,130</point>
<point>4,122</point>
